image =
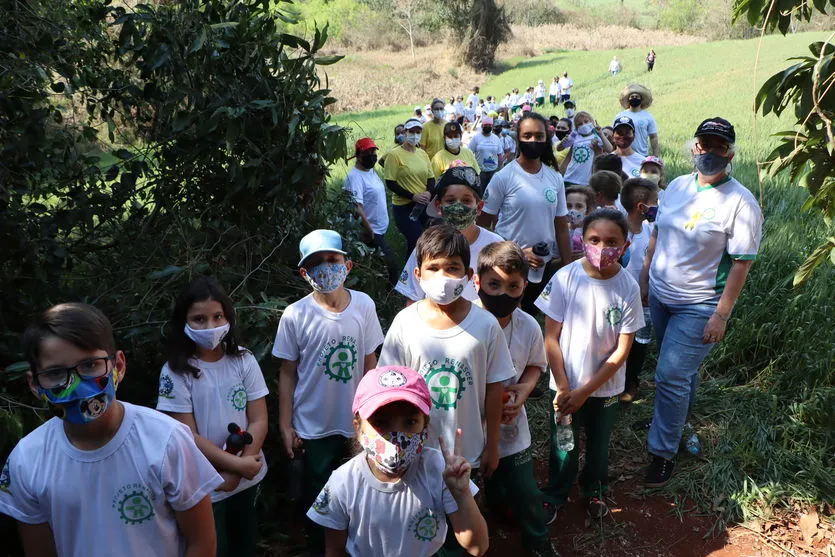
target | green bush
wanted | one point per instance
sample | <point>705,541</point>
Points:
<point>533,12</point>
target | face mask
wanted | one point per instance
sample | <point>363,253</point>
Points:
<point>487,130</point>
<point>326,277</point>
<point>413,139</point>
<point>399,138</point>
<point>84,399</point>
<point>459,215</point>
<point>560,134</point>
<point>505,132</point>
<point>623,141</point>
<point>585,129</point>
<point>393,452</point>
<point>600,257</point>
<point>533,149</point>
<point>368,161</point>
<point>207,338</point>
<point>575,217</point>
<point>651,213</point>
<point>443,290</point>
<point>634,102</point>
<point>569,112</point>
<point>453,143</point>
<point>655,178</point>
<point>710,164</point>
<point>500,305</point>
<point>438,114</point>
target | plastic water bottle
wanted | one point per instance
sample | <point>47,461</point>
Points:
<point>295,473</point>
<point>565,435</point>
<point>692,442</point>
<point>543,250</point>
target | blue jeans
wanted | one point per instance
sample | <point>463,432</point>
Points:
<point>410,229</point>
<point>679,330</point>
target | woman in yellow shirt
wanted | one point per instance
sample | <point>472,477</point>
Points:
<point>452,151</point>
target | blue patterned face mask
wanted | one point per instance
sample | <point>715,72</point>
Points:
<point>84,399</point>
<point>326,277</point>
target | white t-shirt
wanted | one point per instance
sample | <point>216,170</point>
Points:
<point>120,499</point>
<point>457,364</point>
<point>638,250</point>
<point>487,150</point>
<point>330,349</point>
<point>593,313</point>
<point>514,100</point>
<point>509,144</point>
<point>217,398</point>
<point>699,234</point>
<point>579,166</point>
<point>566,83</point>
<point>632,164</point>
<point>406,518</point>
<point>369,191</point>
<point>459,108</point>
<point>527,205</point>
<point>469,114</point>
<point>527,348</point>
<point>409,286</point>
<point>555,88</point>
<point>473,98</point>
<point>644,126</point>
<point>540,92</point>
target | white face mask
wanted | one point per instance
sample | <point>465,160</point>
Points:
<point>453,143</point>
<point>569,112</point>
<point>656,178</point>
<point>207,339</point>
<point>438,114</point>
<point>585,129</point>
<point>413,139</point>
<point>443,290</point>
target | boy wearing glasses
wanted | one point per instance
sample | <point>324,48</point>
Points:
<point>103,477</point>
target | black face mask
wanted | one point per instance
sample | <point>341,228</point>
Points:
<point>501,305</point>
<point>560,134</point>
<point>487,130</point>
<point>368,161</point>
<point>533,149</point>
<point>633,102</point>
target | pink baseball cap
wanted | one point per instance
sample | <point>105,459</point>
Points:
<point>653,160</point>
<point>487,121</point>
<point>387,384</point>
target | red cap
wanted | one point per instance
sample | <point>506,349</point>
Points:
<point>365,144</point>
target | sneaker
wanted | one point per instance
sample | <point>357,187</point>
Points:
<point>597,508</point>
<point>536,394</point>
<point>641,425</point>
<point>659,472</point>
<point>551,511</point>
<point>629,395</point>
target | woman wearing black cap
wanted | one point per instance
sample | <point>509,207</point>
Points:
<point>707,235</point>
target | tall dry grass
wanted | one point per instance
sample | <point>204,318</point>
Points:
<point>372,79</point>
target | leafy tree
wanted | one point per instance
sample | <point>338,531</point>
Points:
<point>808,151</point>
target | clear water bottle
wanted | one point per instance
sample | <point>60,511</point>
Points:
<point>565,435</point>
<point>543,250</point>
<point>692,442</point>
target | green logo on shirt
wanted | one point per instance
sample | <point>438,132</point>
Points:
<point>425,525</point>
<point>320,505</point>
<point>486,195</point>
<point>237,396</point>
<point>581,154</point>
<point>339,359</point>
<point>133,503</point>
<point>166,387</point>
<point>550,195</point>
<point>614,315</point>
<point>546,294</point>
<point>5,478</point>
<point>447,382</point>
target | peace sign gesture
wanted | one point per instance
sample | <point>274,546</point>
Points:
<point>456,468</point>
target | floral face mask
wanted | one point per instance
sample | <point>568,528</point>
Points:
<point>327,277</point>
<point>393,452</point>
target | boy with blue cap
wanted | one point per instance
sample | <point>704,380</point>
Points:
<point>326,341</point>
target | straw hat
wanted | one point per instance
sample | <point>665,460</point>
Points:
<point>646,95</point>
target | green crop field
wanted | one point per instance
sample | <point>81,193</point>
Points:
<point>764,411</point>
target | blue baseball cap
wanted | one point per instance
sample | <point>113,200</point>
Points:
<point>319,241</point>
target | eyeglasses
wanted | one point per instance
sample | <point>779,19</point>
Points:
<point>718,147</point>
<point>60,377</point>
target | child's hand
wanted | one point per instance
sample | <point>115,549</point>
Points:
<point>291,441</point>
<point>457,469</point>
<point>249,466</point>
<point>571,401</point>
<point>230,481</point>
<point>523,391</point>
<point>533,260</point>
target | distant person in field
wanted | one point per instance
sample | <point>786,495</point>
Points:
<point>706,237</point>
<point>636,99</point>
<point>650,60</point>
<point>615,66</point>
<point>554,92</point>
<point>474,96</point>
<point>539,96</point>
<point>566,83</point>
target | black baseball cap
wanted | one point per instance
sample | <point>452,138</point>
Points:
<point>717,126</point>
<point>457,175</point>
<point>623,121</point>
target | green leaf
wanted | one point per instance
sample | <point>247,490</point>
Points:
<point>199,41</point>
<point>16,370</point>
<point>166,272</point>
<point>123,154</point>
<point>328,60</point>
<point>226,25</point>
<point>818,256</point>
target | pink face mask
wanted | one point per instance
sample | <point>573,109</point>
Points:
<point>600,257</point>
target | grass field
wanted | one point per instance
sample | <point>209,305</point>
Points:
<point>765,408</point>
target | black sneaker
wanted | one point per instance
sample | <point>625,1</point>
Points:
<point>597,508</point>
<point>642,425</point>
<point>550,512</point>
<point>536,394</point>
<point>659,472</point>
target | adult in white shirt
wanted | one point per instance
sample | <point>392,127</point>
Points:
<point>488,149</point>
<point>566,83</point>
<point>369,193</point>
<point>615,66</point>
<point>474,96</point>
<point>636,99</point>
<point>707,235</point>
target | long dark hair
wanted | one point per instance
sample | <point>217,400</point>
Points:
<point>178,346</point>
<point>548,157</point>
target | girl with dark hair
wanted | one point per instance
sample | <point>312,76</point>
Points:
<point>217,389</point>
<point>453,151</point>
<point>529,192</point>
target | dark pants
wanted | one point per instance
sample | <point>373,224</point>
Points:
<point>650,65</point>
<point>534,289</point>
<point>564,98</point>
<point>410,229</point>
<point>597,418</point>
<point>321,457</point>
<point>485,178</point>
<point>236,524</point>
<point>634,364</point>
<point>392,267</point>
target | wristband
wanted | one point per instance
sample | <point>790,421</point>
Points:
<point>722,317</point>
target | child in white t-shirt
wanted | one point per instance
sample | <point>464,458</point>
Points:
<point>640,199</point>
<point>394,498</point>
<point>327,340</point>
<point>593,309</point>
<point>501,280</point>
<point>586,142</point>
<point>103,477</point>
<point>580,201</point>
<point>215,387</point>
<point>458,201</point>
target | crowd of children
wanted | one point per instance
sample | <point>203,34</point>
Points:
<point>390,453</point>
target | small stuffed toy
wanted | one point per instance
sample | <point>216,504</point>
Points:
<point>238,438</point>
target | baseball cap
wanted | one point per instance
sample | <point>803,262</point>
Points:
<point>487,121</point>
<point>623,121</point>
<point>319,241</point>
<point>387,384</point>
<point>526,108</point>
<point>653,160</point>
<point>412,123</point>
<point>365,144</point>
<point>717,126</point>
<point>458,174</point>
<point>436,101</point>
